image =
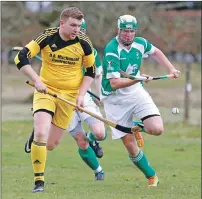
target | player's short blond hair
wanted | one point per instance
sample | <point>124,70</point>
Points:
<point>73,12</point>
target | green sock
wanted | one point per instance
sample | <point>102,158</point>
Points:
<point>136,123</point>
<point>89,157</point>
<point>142,163</point>
<point>92,138</point>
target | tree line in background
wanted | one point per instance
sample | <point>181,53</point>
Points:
<point>161,23</point>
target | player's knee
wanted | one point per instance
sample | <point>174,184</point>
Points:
<point>82,144</point>
<point>50,147</point>
<point>100,134</point>
<point>81,141</point>
<point>155,129</point>
<point>39,135</point>
<point>132,149</point>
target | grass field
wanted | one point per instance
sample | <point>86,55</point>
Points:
<point>176,156</point>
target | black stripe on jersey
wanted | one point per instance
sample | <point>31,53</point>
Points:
<point>86,44</point>
<point>90,71</point>
<point>84,37</point>
<point>23,57</point>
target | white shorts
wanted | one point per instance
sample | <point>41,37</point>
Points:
<point>79,117</point>
<point>122,112</point>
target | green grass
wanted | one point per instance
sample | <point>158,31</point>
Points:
<point>176,156</point>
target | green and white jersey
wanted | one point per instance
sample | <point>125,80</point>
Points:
<point>118,58</point>
<point>98,64</point>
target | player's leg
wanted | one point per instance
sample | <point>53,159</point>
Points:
<point>44,108</point>
<point>97,131</point>
<point>55,135</point>
<point>97,127</point>
<point>54,139</point>
<point>153,124</point>
<point>42,122</point>
<point>139,159</point>
<point>123,114</point>
<point>84,149</point>
<point>88,155</point>
<point>148,112</point>
<point>61,120</point>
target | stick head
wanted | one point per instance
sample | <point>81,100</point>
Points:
<point>17,48</point>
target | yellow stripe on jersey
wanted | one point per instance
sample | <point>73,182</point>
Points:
<point>89,60</point>
<point>40,38</point>
<point>34,48</point>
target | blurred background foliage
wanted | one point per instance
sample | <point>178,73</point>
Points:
<point>174,27</point>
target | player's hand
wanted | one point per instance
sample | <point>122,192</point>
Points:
<point>80,101</point>
<point>40,87</point>
<point>175,73</point>
<point>149,78</point>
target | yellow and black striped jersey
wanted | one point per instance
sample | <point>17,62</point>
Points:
<point>62,61</point>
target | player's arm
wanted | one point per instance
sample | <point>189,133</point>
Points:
<point>113,72</point>
<point>159,56</point>
<point>88,62</point>
<point>22,61</point>
<point>117,83</point>
<point>87,80</point>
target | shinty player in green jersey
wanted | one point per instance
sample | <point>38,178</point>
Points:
<point>123,98</point>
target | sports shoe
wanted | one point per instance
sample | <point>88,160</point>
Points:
<point>139,138</point>
<point>29,143</point>
<point>39,186</point>
<point>96,148</point>
<point>100,175</point>
<point>153,181</point>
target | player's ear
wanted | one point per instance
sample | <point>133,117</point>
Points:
<point>61,22</point>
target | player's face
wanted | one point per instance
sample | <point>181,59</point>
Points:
<point>127,36</point>
<point>70,27</point>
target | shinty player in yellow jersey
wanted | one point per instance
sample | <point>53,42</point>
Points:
<point>64,51</point>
